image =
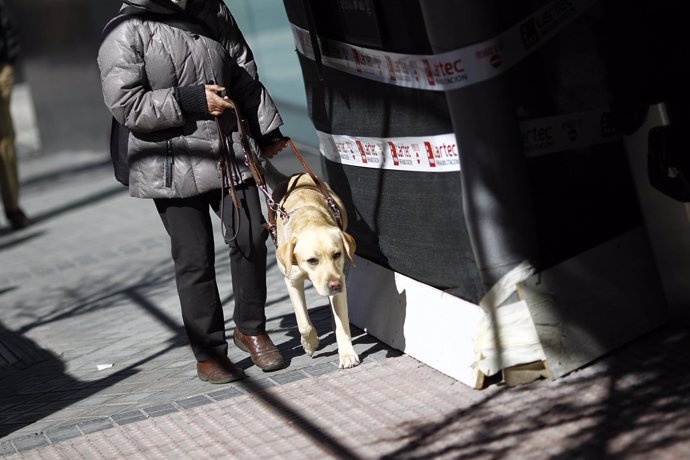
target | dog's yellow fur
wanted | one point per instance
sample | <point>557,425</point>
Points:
<point>311,245</point>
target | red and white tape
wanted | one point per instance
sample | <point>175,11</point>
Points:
<point>420,154</point>
<point>453,69</point>
<point>441,153</point>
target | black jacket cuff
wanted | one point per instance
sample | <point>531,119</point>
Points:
<point>271,138</point>
<point>192,99</point>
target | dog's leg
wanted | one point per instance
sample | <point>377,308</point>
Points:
<point>346,352</point>
<point>307,331</point>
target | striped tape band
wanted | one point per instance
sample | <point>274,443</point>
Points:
<point>419,154</point>
<point>454,69</point>
<point>441,153</point>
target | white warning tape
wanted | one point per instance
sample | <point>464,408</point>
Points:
<point>453,69</point>
<point>441,153</point>
<point>420,154</point>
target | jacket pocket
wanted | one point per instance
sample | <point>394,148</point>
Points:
<point>169,162</point>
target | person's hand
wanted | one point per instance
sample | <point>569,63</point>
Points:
<point>272,150</point>
<point>216,104</point>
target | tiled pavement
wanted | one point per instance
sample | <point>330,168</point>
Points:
<point>96,364</point>
<point>89,313</point>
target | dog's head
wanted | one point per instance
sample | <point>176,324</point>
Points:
<point>320,254</point>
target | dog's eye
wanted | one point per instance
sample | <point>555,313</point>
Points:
<point>337,255</point>
<point>313,261</point>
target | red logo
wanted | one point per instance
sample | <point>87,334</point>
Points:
<point>430,154</point>
<point>358,60</point>
<point>394,153</point>
<point>391,68</point>
<point>362,152</point>
<point>496,61</point>
<point>530,33</point>
<point>429,72</point>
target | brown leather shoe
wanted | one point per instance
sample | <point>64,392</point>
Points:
<point>218,371</point>
<point>264,354</point>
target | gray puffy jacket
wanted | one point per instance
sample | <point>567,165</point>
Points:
<point>173,153</point>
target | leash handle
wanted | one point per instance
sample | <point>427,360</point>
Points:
<point>252,163</point>
<point>225,163</point>
<point>251,160</point>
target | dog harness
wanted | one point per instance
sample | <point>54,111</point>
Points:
<point>228,172</point>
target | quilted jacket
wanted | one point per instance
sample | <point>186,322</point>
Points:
<point>172,152</point>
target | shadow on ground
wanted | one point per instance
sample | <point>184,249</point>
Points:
<point>633,403</point>
<point>34,381</point>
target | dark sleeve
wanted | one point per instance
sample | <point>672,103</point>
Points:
<point>192,99</point>
<point>271,138</point>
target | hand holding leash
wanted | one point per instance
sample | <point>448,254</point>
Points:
<point>216,100</point>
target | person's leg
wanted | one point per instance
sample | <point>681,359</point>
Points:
<point>246,233</point>
<point>247,240</point>
<point>9,177</point>
<point>188,223</point>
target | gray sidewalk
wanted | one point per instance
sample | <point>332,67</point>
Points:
<point>94,362</point>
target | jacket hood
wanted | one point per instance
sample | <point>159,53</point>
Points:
<point>153,6</point>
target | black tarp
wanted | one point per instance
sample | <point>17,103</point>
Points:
<point>546,208</point>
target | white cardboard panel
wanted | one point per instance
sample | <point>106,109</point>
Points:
<point>425,323</point>
<point>582,309</point>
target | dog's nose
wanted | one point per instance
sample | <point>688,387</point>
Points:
<point>335,285</point>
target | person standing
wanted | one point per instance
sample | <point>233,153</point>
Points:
<point>167,84</point>
<point>9,175</point>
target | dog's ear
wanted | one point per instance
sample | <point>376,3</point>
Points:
<point>350,246</point>
<point>284,254</point>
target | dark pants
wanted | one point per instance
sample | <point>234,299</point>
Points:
<point>188,223</point>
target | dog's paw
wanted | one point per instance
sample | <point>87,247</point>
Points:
<point>310,342</point>
<point>348,360</point>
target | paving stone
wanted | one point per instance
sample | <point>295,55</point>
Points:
<point>225,393</point>
<point>30,442</point>
<point>288,377</point>
<point>93,426</point>
<point>162,409</point>
<point>7,448</point>
<point>128,417</point>
<point>251,385</point>
<point>133,398</point>
<point>61,434</point>
<point>321,369</point>
<point>106,410</point>
<point>194,401</point>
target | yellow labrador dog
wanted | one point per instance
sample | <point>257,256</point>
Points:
<point>312,245</point>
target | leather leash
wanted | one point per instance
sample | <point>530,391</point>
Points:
<point>252,162</point>
<point>228,173</point>
<point>332,205</point>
